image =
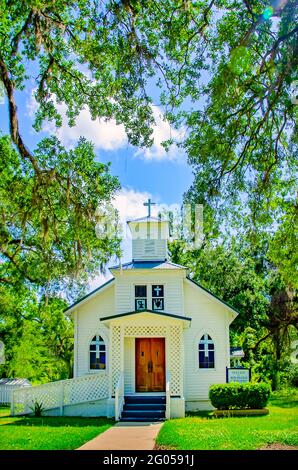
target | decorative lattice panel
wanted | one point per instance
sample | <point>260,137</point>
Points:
<point>175,360</point>
<point>141,330</point>
<point>115,356</point>
<point>87,389</point>
<point>61,393</point>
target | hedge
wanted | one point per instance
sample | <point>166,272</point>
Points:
<point>240,396</point>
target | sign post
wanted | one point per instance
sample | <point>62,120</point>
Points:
<point>239,374</point>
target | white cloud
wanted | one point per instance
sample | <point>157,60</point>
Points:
<point>163,131</point>
<point>99,280</point>
<point>107,135</point>
<point>129,203</point>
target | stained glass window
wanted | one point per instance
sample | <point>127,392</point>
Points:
<point>206,352</point>
<point>97,353</point>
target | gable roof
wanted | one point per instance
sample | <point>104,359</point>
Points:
<point>163,264</point>
<point>232,309</point>
<point>156,264</point>
<point>156,312</point>
<point>89,296</point>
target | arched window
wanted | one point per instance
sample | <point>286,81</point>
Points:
<point>206,352</point>
<point>97,353</point>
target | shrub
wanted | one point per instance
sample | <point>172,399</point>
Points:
<point>239,396</point>
<point>37,409</point>
<point>292,375</point>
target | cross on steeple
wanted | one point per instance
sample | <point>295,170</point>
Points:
<point>148,204</point>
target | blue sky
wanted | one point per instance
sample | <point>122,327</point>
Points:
<point>142,173</point>
<point>163,175</point>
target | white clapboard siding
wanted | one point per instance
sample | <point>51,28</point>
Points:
<point>208,316</point>
<point>87,325</point>
<point>147,250</point>
<point>173,289</point>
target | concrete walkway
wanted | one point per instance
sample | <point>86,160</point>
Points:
<point>125,436</point>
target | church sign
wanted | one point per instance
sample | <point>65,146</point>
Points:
<point>239,374</point>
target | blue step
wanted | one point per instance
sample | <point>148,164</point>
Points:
<point>145,399</point>
<point>145,406</point>
<point>143,414</point>
<point>141,408</point>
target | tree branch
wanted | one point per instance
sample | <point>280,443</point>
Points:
<point>16,40</point>
<point>13,118</point>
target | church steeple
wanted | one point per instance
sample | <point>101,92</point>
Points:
<point>149,237</point>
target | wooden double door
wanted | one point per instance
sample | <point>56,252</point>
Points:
<point>150,365</point>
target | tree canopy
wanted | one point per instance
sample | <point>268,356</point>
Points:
<point>224,72</point>
<point>48,220</point>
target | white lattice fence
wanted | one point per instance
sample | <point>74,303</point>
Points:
<point>61,393</point>
<point>175,360</point>
<point>115,356</point>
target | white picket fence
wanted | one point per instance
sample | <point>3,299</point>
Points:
<point>61,393</point>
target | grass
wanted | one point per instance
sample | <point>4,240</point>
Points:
<point>48,433</point>
<point>202,431</point>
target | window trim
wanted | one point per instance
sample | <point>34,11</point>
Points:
<point>140,298</point>
<point>203,339</point>
<point>162,298</point>
<point>98,371</point>
<point>149,295</point>
<point>197,338</point>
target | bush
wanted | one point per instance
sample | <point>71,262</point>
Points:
<point>234,396</point>
<point>292,375</point>
<point>37,409</point>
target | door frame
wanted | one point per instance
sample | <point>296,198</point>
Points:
<point>135,363</point>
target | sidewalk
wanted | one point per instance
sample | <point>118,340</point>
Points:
<point>125,436</point>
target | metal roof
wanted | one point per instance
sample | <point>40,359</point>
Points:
<point>158,264</point>
<point>236,352</point>
<point>15,382</point>
<point>156,312</point>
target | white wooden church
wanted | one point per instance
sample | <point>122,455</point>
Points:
<point>148,343</point>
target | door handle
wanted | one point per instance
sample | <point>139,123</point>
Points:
<point>150,367</point>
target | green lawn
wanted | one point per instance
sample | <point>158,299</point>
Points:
<point>48,433</point>
<point>201,431</point>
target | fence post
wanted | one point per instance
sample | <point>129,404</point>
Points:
<point>12,403</point>
<point>61,398</point>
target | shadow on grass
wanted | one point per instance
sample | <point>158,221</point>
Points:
<point>61,422</point>
<point>208,415</point>
<point>199,414</point>
<point>284,403</point>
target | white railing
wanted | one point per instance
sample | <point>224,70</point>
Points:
<point>168,395</point>
<point>61,393</point>
<point>119,397</point>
